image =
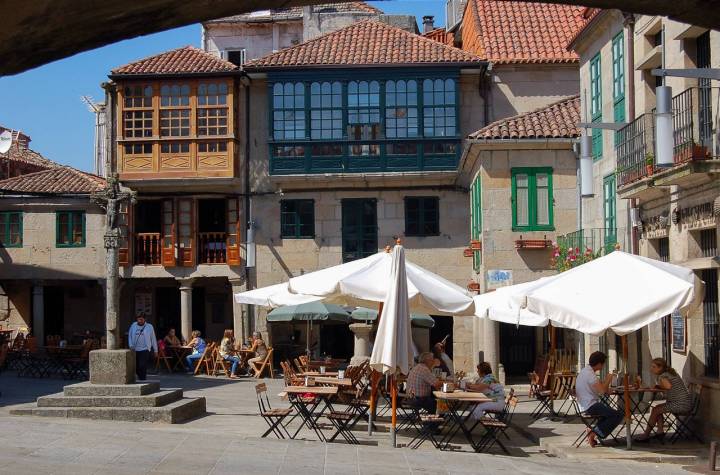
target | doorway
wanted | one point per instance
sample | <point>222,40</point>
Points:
<point>443,328</point>
<point>517,349</point>
<point>167,311</point>
<point>54,314</point>
<point>359,228</point>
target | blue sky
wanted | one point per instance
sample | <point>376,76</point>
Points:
<point>45,102</point>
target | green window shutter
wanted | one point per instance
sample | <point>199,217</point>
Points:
<point>596,105</point>
<point>609,211</point>
<point>618,59</point>
<point>532,199</point>
<point>476,220</point>
<point>297,219</point>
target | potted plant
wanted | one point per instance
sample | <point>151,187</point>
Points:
<point>649,163</point>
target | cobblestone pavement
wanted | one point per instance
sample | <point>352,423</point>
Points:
<point>227,441</point>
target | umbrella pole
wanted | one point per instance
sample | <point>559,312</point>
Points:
<point>374,380</point>
<point>551,335</point>
<point>307,341</point>
<point>393,393</point>
<point>626,395</point>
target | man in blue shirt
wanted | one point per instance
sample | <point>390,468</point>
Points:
<point>141,339</point>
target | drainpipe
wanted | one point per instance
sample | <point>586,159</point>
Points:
<point>249,237</point>
<point>630,74</point>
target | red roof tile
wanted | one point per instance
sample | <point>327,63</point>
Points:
<point>504,31</point>
<point>441,35</point>
<point>186,60</point>
<point>296,13</point>
<point>60,180</point>
<point>27,155</point>
<point>556,121</point>
<point>363,44</point>
<point>588,15</point>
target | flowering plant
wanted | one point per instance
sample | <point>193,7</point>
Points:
<point>566,257</point>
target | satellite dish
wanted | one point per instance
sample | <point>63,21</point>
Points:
<point>5,141</point>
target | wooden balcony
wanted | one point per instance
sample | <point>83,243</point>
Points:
<point>212,248</point>
<point>148,249</point>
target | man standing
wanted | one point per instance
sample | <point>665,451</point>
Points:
<point>588,389</point>
<point>141,339</point>
<point>421,383</point>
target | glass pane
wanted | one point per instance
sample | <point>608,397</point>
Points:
<point>543,210</point>
<point>522,206</point>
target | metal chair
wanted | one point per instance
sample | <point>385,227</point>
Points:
<point>273,417</point>
<point>681,423</point>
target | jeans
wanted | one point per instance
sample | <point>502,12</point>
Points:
<point>426,402</point>
<point>141,364</point>
<point>191,360</point>
<point>610,419</point>
<point>235,362</point>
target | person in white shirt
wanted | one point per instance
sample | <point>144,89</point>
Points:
<point>141,339</point>
<point>588,389</point>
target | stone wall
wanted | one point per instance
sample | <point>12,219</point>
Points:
<point>258,39</point>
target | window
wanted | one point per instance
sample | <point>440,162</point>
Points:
<point>476,219</point>
<point>439,108</point>
<point>402,148</point>
<point>326,110</point>
<point>212,147</point>
<point>618,63</point>
<point>138,112</point>
<point>708,242</point>
<point>596,105</point>
<point>212,110</point>
<point>610,211</point>
<point>11,228</point>
<point>237,57</point>
<point>401,113</point>
<point>297,219</point>
<point>422,216</point>
<point>138,149</point>
<point>289,151</point>
<point>70,229</point>
<point>168,148</point>
<point>288,111</point>
<point>364,110</point>
<point>175,110</point>
<point>663,249</point>
<point>711,322</point>
<point>532,199</point>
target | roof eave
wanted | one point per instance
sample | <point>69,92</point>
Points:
<point>465,64</point>
<point>126,76</point>
<point>583,31</point>
<point>510,141</point>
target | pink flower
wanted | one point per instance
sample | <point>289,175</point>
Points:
<point>557,254</point>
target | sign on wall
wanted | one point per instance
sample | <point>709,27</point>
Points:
<point>497,278</point>
<point>679,332</point>
<point>143,303</point>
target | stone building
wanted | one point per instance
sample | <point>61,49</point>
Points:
<point>668,213</point>
<point>521,172</point>
<point>249,36</point>
<point>20,159</point>
<point>52,270</point>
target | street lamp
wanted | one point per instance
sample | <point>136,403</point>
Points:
<point>586,166</point>
<point>664,142</point>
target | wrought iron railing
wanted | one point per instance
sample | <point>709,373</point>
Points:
<point>693,135</point>
<point>601,240</point>
<point>212,248</point>
<point>148,249</point>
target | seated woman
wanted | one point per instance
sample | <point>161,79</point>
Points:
<point>227,351</point>
<point>491,387</point>
<point>260,349</point>
<point>198,348</point>
<point>171,338</point>
<point>677,398</point>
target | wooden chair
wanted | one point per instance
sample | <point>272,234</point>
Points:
<point>289,375</point>
<point>259,367</point>
<point>205,360</point>
<point>219,363</point>
<point>163,358</point>
<point>298,365</point>
<point>273,417</point>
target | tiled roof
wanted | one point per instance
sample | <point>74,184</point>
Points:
<point>61,180</point>
<point>504,31</point>
<point>556,121</point>
<point>27,155</point>
<point>296,13</point>
<point>363,44</point>
<point>441,35</point>
<point>588,15</point>
<point>187,59</point>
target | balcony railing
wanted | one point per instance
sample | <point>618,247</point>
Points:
<point>212,248</point>
<point>148,249</point>
<point>595,239</point>
<point>693,135</point>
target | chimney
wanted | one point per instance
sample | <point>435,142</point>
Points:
<point>428,23</point>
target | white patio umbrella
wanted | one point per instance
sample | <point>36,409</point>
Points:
<point>366,281</point>
<point>273,296</point>
<point>393,349</point>
<point>620,292</point>
<point>505,305</point>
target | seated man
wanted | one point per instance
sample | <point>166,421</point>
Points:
<point>421,382</point>
<point>588,388</point>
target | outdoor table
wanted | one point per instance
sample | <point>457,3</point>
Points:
<point>332,381</point>
<point>317,373</point>
<point>457,403</point>
<point>333,364</point>
<point>179,353</point>
<point>245,354</point>
<point>307,411</point>
<point>637,410</point>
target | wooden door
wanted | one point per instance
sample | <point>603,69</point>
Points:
<point>186,231</point>
<point>168,233</point>
<point>233,232</point>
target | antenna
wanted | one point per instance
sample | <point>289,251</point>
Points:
<point>5,141</point>
<point>90,103</point>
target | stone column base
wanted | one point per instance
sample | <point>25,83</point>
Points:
<point>112,367</point>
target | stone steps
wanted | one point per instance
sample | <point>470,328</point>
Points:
<point>159,398</point>
<point>135,389</point>
<point>177,411</point>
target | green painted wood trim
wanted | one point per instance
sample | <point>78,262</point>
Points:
<point>5,235</point>
<point>72,215</point>
<point>532,173</point>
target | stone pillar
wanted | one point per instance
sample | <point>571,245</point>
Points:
<point>492,343</point>
<point>186,308</point>
<point>239,310</point>
<point>361,352</point>
<point>38,312</point>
